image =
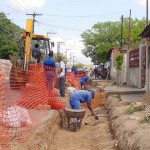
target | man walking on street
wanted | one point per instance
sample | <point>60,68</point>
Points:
<point>61,76</point>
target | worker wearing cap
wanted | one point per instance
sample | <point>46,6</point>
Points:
<point>82,96</point>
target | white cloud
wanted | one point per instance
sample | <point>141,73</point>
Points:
<point>73,46</point>
<point>142,2</point>
<point>25,5</point>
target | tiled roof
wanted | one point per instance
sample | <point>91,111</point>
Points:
<point>146,32</point>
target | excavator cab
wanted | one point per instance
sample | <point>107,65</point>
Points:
<point>31,55</point>
<point>40,43</point>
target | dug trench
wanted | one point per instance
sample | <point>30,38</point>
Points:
<point>94,134</point>
<point>113,130</point>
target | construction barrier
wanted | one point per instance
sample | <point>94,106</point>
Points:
<point>25,100</point>
<point>73,80</point>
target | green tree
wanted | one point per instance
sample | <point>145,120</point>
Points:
<point>119,61</point>
<point>104,36</point>
<point>64,58</point>
<point>9,37</point>
<point>79,65</point>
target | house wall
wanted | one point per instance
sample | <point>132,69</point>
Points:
<point>5,65</point>
<point>123,74</point>
<point>112,67</point>
<point>129,76</point>
<point>134,73</point>
<point>114,72</point>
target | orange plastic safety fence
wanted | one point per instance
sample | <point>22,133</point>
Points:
<point>74,81</point>
<point>26,97</point>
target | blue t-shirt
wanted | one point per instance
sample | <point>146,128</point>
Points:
<point>84,80</point>
<point>50,62</point>
<point>81,96</point>
<point>73,69</point>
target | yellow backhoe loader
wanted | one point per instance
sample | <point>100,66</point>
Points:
<point>19,69</point>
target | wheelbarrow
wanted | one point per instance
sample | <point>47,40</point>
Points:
<point>75,116</point>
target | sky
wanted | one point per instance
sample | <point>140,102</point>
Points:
<point>66,20</point>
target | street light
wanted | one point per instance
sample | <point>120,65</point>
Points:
<point>50,33</point>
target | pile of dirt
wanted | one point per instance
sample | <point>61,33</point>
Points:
<point>127,127</point>
<point>98,100</point>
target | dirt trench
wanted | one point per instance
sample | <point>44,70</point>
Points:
<point>93,134</point>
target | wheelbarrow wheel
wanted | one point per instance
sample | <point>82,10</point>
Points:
<point>75,126</point>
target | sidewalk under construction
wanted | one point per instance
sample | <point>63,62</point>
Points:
<point>34,119</point>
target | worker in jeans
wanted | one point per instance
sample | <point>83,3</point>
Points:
<point>82,96</point>
<point>61,76</point>
<point>49,67</point>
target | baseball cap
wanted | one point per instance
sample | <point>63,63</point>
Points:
<point>91,91</point>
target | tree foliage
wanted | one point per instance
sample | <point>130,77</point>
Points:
<point>64,58</point>
<point>104,36</point>
<point>79,65</point>
<point>9,37</point>
<point>119,61</point>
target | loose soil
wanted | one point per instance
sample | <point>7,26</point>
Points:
<point>93,134</point>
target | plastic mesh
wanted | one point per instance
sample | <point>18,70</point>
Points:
<point>26,98</point>
<point>74,81</point>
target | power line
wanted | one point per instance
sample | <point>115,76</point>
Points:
<point>98,15</point>
<point>60,27</point>
<point>21,5</point>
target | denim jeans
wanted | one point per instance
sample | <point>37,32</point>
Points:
<point>50,78</point>
<point>62,86</point>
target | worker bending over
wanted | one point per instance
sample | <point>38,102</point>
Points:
<point>82,96</point>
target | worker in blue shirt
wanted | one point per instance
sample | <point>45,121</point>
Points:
<point>82,96</point>
<point>49,66</point>
<point>73,69</point>
<point>83,81</point>
<point>50,60</point>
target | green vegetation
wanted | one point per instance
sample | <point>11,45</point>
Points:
<point>9,37</point>
<point>79,65</point>
<point>131,110</point>
<point>103,36</point>
<point>64,58</point>
<point>118,96</point>
<point>145,120</point>
<point>118,62</point>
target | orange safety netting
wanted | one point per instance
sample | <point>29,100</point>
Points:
<point>26,97</point>
<point>74,81</point>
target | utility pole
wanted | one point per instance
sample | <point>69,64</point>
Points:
<point>34,14</point>
<point>121,32</point>
<point>74,60</point>
<point>129,40</point>
<point>70,59</point>
<point>147,56</point>
<point>146,12</point>
<point>67,51</point>
<point>51,43</point>
<point>58,47</point>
